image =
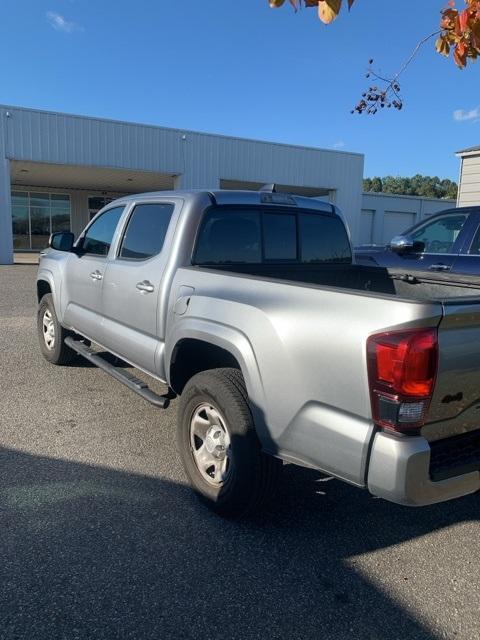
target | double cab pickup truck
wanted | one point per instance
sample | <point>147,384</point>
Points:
<point>250,308</point>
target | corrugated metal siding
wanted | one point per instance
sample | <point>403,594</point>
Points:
<point>200,159</point>
<point>209,158</point>
<point>470,182</point>
<point>63,139</point>
<point>393,214</point>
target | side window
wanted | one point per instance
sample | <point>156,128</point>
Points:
<point>99,235</point>
<point>280,236</point>
<point>146,231</point>
<point>475,246</point>
<point>440,235</point>
<point>229,237</point>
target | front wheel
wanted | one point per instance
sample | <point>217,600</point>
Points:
<point>219,447</point>
<point>51,334</point>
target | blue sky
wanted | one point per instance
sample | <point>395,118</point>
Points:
<point>237,67</point>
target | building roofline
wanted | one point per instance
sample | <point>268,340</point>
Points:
<point>181,131</point>
<point>400,195</point>
<point>468,151</point>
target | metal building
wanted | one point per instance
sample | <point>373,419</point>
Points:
<point>469,184</point>
<point>57,170</point>
<point>386,215</point>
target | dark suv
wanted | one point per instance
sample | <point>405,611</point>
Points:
<point>446,241</point>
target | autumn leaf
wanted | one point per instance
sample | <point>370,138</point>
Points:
<point>463,20</point>
<point>328,10</point>
<point>442,46</point>
<point>459,31</point>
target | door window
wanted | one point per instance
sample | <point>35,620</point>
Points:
<point>475,246</point>
<point>440,235</point>
<point>99,235</point>
<point>146,231</point>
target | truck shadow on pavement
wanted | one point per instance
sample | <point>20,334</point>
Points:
<point>91,552</point>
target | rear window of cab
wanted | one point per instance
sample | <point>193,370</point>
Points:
<point>236,235</point>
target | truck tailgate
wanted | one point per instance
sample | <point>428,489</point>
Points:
<point>455,407</point>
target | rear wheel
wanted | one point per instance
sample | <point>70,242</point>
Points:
<point>219,447</point>
<point>51,334</point>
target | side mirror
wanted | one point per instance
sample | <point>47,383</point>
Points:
<point>402,244</point>
<point>61,241</point>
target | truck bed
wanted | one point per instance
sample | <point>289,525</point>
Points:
<point>424,286</point>
<point>455,297</point>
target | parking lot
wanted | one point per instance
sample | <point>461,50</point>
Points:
<point>100,537</point>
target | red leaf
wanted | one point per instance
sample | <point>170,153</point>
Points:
<point>464,20</point>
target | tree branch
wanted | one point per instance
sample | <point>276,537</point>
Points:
<point>375,98</point>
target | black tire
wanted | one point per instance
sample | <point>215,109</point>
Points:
<point>252,475</point>
<point>59,353</point>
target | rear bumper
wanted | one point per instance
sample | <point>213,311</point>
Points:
<point>399,471</point>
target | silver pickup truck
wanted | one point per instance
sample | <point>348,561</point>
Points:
<point>249,307</point>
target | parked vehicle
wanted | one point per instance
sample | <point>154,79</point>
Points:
<point>446,241</point>
<point>248,305</point>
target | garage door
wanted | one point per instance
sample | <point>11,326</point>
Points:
<point>366,226</point>
<point>396,223</point>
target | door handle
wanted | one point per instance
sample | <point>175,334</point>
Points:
<point>145,286</point>
<point>439,267</point>
<point>96,275</point>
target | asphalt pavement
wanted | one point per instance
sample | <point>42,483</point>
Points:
<point>101,538</point>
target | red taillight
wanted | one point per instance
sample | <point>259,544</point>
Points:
<point>401,369</point>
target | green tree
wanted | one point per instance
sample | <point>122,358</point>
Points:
<point>417,185</point>
<point>373,184</point>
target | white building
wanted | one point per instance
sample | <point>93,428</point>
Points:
<point>57,170</point>
<point>469,184</point>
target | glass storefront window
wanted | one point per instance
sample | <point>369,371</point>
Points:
<point>21,228</point>
<point>39,226</point>
<point>95,203</point>
<point>20,198</point>
<point>36,215</point>
<point>60,220</point>
<point>59,201</point>
<point>40,200</point>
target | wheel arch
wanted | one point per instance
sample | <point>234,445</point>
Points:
<point>43,287</point>
<point>192,355</point>
<point>209,345</point>
<point>46,284</point>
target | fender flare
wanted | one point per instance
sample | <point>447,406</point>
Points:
<point>47,276</point>
<point>238,345</point>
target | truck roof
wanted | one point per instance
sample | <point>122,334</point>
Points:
<point>230,197</point>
